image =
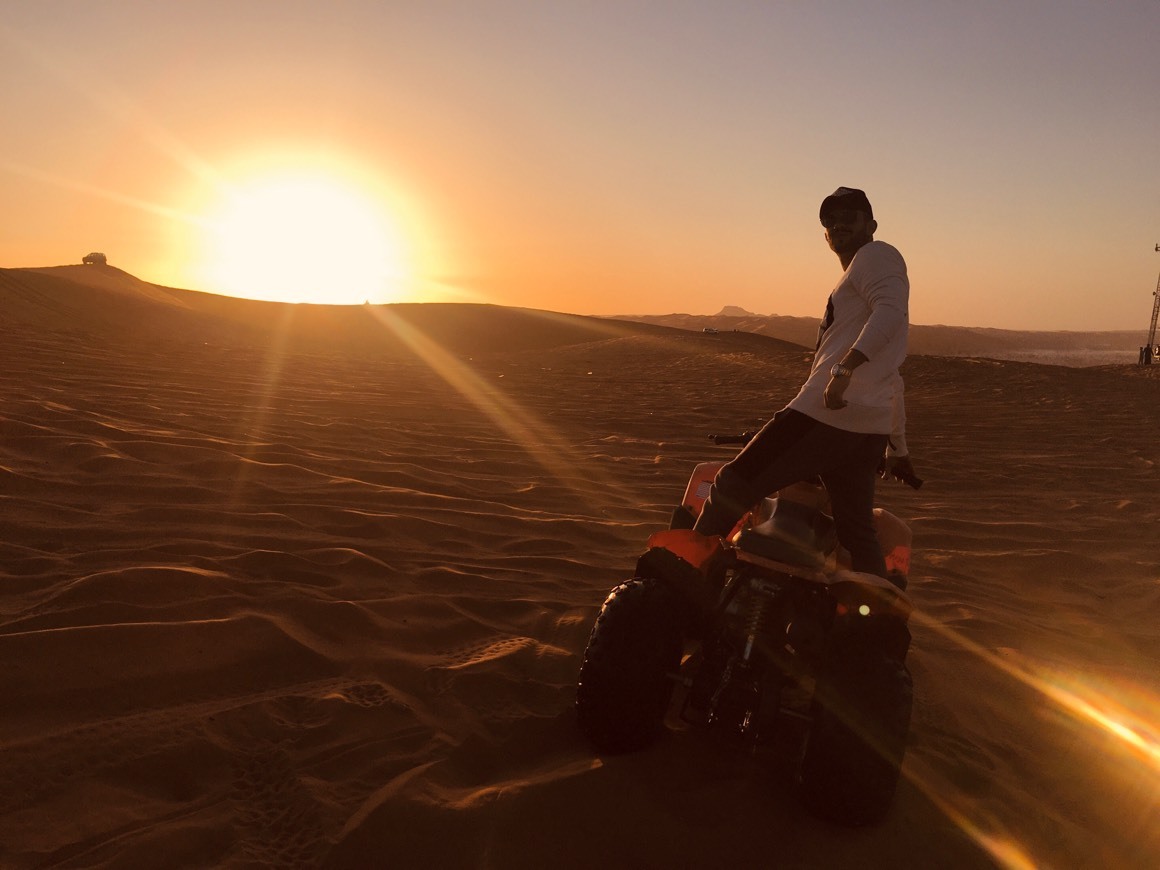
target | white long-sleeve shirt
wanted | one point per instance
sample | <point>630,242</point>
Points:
<point>867,310</point>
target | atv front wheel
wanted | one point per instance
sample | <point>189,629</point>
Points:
<point>855,746</point>
<point>626,680</point>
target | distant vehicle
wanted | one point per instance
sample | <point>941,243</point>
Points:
<point>708,330</point>
<point>95,259</point>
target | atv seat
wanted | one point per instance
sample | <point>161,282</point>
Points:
<point>794,533</point>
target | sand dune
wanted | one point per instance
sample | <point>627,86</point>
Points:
<point>302,587</point>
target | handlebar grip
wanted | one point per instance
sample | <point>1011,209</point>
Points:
<point>743,438</point>
<point>911,480</point>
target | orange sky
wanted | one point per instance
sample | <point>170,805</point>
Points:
<point>603,157</point>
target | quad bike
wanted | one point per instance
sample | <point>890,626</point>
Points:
<point>765,633</point>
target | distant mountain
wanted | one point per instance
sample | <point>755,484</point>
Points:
<point>1052,348</point>
<point>802,331</point>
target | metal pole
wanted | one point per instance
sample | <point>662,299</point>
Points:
<point>1150,352</point>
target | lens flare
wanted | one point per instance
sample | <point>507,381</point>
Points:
<point>1124,718</point>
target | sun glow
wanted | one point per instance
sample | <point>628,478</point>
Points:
<point>312,235</point>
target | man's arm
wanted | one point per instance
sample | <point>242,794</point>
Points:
<point>885,287</point>
<point>896,463</point>
<point>882,282</point>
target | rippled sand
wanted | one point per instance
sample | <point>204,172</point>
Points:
<point>289,587</point>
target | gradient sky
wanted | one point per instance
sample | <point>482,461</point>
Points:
<point>611,157</point>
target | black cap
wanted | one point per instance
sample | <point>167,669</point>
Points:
<point>846,197</point>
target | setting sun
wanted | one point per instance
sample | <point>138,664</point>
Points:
<point>304,236</point>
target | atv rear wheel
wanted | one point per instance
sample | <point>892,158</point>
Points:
<point>627,678</point>
<point>854,750</point>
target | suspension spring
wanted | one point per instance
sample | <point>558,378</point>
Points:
<point>757,615</point>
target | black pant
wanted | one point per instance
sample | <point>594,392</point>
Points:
<point>793,447</point>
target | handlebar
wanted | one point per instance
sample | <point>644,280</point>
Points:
<point>908,477</point>
<point>743,438</point>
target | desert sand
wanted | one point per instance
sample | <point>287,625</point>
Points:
<point>291,586</point>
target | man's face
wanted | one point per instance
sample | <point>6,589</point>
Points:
<point>848,229</point>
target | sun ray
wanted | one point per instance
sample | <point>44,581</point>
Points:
<point>1134,733</point>
<point>252,427</point>
<point>543,444</point>
<point>85,80</point>
<point>99,192</point>
<point>987,834</point>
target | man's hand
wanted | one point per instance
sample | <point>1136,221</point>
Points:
<point>899,468</point>
<point>835,393</point>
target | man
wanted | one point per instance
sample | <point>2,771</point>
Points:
<point>839,425</point>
